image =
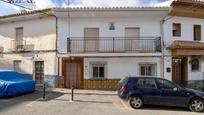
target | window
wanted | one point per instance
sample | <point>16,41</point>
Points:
<point>148,69</point>
<point>164,84</point>
<point>195,64</point>
<point>16,65</point>
<point>19,38</point>
<point>176,29</point>
<point>197,32</point>
<point>19,33</point>
<point>98,70</point>
<point>146,83</point>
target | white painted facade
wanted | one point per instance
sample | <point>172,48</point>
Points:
<point>118,65</point>
<point>186,35</point>
<point>38,31</point>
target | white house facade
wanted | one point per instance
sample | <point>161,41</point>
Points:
<point>183,43</point>
<point>99,46</point>
<point>28,43</point>
<point>94,47</point>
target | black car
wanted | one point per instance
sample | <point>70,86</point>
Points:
<point>157,91</point>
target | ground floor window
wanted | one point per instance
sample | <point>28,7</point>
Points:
<point>195,64</point>
<point>16,65</point>
<point>98,70</point>
<point>147,69</point>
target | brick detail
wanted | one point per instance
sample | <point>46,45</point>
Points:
<point>105,84</point>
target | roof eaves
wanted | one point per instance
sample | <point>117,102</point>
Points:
<point>26,13</point>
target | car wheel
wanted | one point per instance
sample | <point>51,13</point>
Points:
<point>135,102</point>
<point>197,105</point>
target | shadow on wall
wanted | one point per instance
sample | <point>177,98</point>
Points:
<point>6,65</point>
<point>51,81</point>
<point>48,28</point>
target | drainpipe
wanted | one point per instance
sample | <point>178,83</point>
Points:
<point>56,46</point>
<point>162,44</point>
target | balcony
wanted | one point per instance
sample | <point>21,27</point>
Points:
<point>21,46</point>
<point>114,45</point>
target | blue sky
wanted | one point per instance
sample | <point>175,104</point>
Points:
<point>41,4</point>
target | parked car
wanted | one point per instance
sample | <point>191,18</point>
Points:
<point>139,91</point>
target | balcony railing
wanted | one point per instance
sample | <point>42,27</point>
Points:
<point>21,45</point>
<point>114,45</point>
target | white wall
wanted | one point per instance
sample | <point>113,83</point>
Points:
<point>187,35</point>
<point>27,62</point>
<point>39,32</point>
<point>149,26</point>
<point>196,75</point>
<point>121,67</point>
<point>186,30</point>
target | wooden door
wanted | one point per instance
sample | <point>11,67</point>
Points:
<point>179,70</point>
<point>132,42</point>
<point>91,37</point>
<point>73,74</point>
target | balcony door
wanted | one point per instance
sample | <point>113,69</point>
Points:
<point>132,42</point>
<point>91,39</point>
<point>19,38</point>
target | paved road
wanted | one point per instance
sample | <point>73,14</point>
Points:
<point>86,103</point>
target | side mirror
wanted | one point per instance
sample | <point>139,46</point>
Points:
<point>175,89</point>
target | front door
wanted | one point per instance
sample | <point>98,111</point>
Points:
<point>179,70</point>
<point>39,72</point>
<point>73,74</point>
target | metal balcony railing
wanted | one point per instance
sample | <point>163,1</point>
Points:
<point>113,44</point>
<point>21,45</point>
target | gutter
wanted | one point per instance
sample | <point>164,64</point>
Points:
<point>162,39</point>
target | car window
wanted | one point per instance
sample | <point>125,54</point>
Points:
<point>146,83</point>
<point>164,84</point>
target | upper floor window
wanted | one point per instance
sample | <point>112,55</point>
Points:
<point>19,33</point>
<point>197,32</point>
<point>176,29</point>
<point>19,38</point>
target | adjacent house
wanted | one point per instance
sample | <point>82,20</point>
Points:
<point>183,43</point>
<point>28,44</point>
<point>94,47</point>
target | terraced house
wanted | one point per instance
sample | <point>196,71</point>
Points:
<point>28,44</point>
<point>99,46</point>
<point>94,47</point>
<point>183,43</point>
